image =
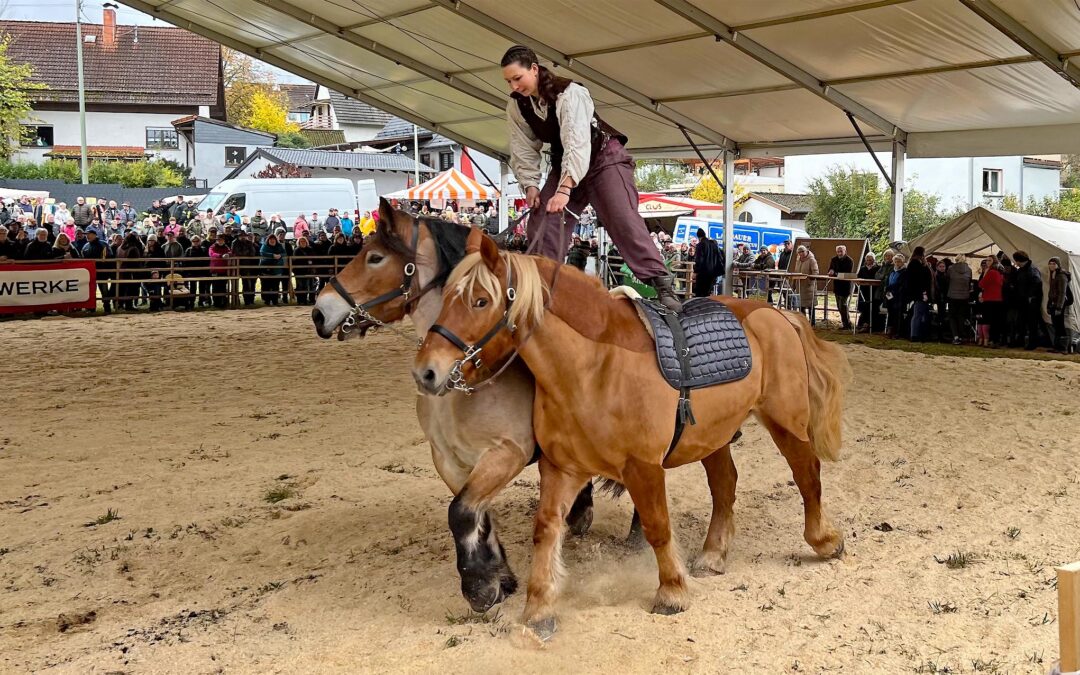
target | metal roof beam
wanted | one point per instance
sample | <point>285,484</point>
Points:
<point>952,68</point>
<point>781,65</point>
<point>369,45</point>
<point>366,23</point>
<point>1025,38</point>
<point>640,45</point>
<point>810,16</point>
<point>562,60</point>
<point>342,87</point>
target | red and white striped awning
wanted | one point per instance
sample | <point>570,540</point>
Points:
<point>450,184</point>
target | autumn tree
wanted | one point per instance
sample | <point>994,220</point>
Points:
<point>283,170</point>
<point>251,97</point>
<point>269,112</point>
<point>16,100</point>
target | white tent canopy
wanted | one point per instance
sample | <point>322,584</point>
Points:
<point>943,77</point>
<point>983,231</point>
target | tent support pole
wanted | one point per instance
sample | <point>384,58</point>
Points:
<point>729,221</point>
<point>896,210</point>
<point>504,202</point>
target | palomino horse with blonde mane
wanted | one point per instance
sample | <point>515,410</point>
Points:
<point>595,367</point>
<point>478,443</point>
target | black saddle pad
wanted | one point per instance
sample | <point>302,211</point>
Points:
<point>718,349</point>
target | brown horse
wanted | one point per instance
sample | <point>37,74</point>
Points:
<point>478,443</point>
<point>595,369</point>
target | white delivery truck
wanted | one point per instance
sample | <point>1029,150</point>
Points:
<point>290,197</point>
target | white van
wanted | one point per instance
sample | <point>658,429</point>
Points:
<point>288,197</point>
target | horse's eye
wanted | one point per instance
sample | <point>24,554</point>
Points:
<point>374,259</point>
<point>480,303</point>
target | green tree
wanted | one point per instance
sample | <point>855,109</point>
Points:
<point>1067,207</point>
<point>16,100</point>
<point>1070,171</point>
<point>652,177</point>
<point>852,204</point>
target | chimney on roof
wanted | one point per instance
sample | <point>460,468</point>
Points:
<point>108,28</point>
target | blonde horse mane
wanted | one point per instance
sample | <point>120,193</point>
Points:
<point>473,275</point>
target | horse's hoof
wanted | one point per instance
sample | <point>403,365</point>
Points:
<point>543,629</point>
<point>708,564</point>
<point>581,522</point>
<point>831,547</point>
<point>666,609</point>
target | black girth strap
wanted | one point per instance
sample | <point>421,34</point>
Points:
<point>684,414</point>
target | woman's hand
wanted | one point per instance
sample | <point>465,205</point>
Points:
<point>532,197</point>
<point>557,202</point>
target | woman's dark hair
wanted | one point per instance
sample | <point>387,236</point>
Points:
<point>700,234</point>
<point>1021,257</point>
<point>131,239</point>
<point>548,84</point>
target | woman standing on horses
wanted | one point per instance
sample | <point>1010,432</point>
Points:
<point>589,165</point>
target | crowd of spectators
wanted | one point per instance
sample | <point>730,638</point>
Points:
<point>146,259</point>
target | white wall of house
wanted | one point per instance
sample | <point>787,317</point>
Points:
<point>357,133</point>
<point>957,181</point>
<point>759,212</point>
<point>103,128</point>
<point>210,161</point>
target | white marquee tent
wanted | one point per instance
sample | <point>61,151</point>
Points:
<point>983,231</point>
<point>922,78</point>
<point>450,184</point>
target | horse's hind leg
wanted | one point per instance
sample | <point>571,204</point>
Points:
<point>806,470</point>
<point>645,482</point>
<point>558,489</point>
<point>486,577</point>
<point>722,476</point>
<point>581,513</point>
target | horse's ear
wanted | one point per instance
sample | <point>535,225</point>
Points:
<point>386,212</point>
<point>478,242</point>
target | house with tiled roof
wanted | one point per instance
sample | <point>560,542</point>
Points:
<point>332,110</point>
<point>138,80</point>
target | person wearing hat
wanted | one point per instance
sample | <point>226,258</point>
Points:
<point>98,251</point>
<point>128,215</point>
<point>196,262</point>
<point>258,223</point>
<point>1028,298</point>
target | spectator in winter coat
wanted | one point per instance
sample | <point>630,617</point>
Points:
<point>196,260</point>
<point>896,297</point>
<point>869,303</point>
<point>842,263</point>
<point>1028,298</point>
<point>39,247</point>
<point>917,288</point>
<point>959,297</point>
<point>783,261</point>
<point>9,250</point>
<point>62,213</point>
<point>63,249</point>
<point>1057,301</point>
<point>128,215</point>
<point>245,250</point>
<point>708,265</point>
<point>347,224</point>
<point>272,256</point>
<point>172,248</point>
<point>219,253</point>
<point>98,251</point>
<point>82,214</point>
<point>991,302</point>
<point>130,253</point>
<point>304,269</point>
<point>807,264</point>
<point>301,228</point>
<point>332,221</point>
<point>316,225</point>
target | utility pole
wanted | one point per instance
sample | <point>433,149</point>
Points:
<point>82,93</point>
<point>416,154</point>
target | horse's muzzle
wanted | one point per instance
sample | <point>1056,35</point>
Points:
<point>429,381</point>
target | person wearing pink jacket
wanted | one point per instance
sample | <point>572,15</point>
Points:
<point>300,227</point>
<point>219,253</point>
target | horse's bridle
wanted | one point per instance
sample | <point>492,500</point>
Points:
<point>405,291</point>
<point>471,353</point>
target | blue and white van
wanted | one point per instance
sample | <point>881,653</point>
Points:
<point>756,235</point>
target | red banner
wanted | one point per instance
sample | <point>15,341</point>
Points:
<point>41,287</point>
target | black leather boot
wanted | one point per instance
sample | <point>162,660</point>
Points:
<point>665,293</point>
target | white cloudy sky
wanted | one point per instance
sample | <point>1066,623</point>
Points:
<point>64,10</point>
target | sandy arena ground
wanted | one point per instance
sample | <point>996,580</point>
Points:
<point>184,425</point>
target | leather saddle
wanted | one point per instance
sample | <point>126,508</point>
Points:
<point>702,346</point>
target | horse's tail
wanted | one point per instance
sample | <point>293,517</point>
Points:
<point>829,375</point>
